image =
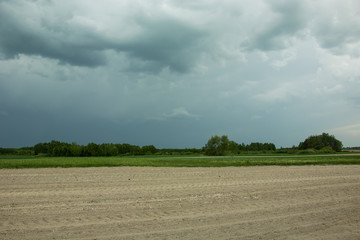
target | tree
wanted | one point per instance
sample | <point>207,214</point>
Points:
<point>75,149</point>
<point>217,146</point>
<point>108,149</point>
<point>149,149</point>
<point>242,147</point>
<point>41,148</point>
<point>320,141</point>
<point>233,147</point>
<point>113,151</point>
<point>92,149</point>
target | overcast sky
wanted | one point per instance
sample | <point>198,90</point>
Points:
<point>174,73</point>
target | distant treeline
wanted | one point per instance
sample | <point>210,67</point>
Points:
<point>256,146</point>
<point>56,148</point>
<point>17,151</point>
<point>352,148</point>
<point>63,149</point>
<point>323,143</point>
<point>216,145</point>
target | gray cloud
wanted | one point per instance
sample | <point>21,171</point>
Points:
<point>37,37</point>
<point>159,43</point>
<point>275,33</point>
<point>164,43</point>
<point>336,28</point>
<point>174,73</point>
<point>179,112</point>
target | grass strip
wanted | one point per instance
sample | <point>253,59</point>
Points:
<point>173,161</point>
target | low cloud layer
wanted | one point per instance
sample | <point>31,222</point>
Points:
<point>151,40</point>
<point>173,73</point>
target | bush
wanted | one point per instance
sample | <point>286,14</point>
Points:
<point>326,149</point>
<point>307,151</point>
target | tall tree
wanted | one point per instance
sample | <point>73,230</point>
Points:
<point>217,146</point>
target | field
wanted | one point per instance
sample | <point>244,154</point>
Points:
<point>177,161</point>
<point>261,202</point>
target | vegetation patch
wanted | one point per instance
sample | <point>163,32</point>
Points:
<point>174,161</point>
<point>217,152</point>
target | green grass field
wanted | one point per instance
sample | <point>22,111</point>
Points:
<point>174,161</point>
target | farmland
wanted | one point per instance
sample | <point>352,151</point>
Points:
<point>259,202</point>
<point>177,161</point>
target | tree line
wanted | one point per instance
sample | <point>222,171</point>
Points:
<point>56,149</point>
<point>323,143</point>
<point>62,149</point>
<point>216,146</point>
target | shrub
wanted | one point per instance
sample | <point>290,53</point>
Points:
<point>326,149</point>
<point>307,151</point>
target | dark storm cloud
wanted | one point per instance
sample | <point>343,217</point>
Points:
<point>173,73</point>
<point>164,43</point>
<point>160,43</point>
<point>66,44</point>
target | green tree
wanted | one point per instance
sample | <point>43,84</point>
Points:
<point>149,149</point>
<point>321,141</point>
<point>233,147</point>
<point>108,149</point>
<point>113,151</point>
<point>41,148</point>
<point>92,149</point>
<point>128,149</point>
<point>75,149</point>
<point>242,147</point>
<point>217,146</point>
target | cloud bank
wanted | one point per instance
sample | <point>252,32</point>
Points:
<point>174,73</point>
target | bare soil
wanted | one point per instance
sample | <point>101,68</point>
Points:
<point>296,202</point>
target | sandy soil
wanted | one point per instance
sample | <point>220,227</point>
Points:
<point>307,202</point>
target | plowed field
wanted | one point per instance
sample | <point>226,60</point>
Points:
<point>296,202</point>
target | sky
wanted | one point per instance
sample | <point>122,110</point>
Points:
<point>174,73</point>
